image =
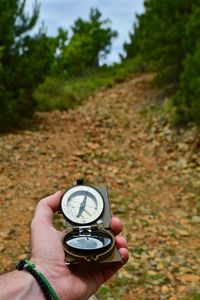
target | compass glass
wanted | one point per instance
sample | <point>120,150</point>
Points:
<point>82,204</point>
<point>88,243</point>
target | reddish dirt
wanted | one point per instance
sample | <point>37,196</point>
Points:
<point>117,138</point>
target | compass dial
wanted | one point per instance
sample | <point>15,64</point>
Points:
<point>82,204</point>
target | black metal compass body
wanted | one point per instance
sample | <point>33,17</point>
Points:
<point>88,238</point>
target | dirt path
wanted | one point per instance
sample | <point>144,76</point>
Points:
<point>114,138</point>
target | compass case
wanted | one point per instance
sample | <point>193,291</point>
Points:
<point>93,243</point>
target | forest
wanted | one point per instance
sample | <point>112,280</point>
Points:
<point>38,72</point>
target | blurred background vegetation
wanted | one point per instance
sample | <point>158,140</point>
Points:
<point>42,73</point>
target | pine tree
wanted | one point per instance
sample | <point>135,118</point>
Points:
<point>24,60</point>
<point>167,37</point>
<point>90,41</point>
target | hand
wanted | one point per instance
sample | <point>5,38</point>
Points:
<point>48,255</point>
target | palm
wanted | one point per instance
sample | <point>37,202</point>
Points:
<point>52,254</point>
<point>47,251</point>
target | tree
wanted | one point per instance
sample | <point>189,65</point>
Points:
<point>186,101</point>
<point>160,37</point>
<point>166,35</point>
<point>24,61</point>
<point>90,41</point>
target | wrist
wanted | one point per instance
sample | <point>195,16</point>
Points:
<point>29,285</point>
<point>55,273</point>
<point>19,285</point>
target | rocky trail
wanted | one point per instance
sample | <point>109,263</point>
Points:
<point>118,138</point>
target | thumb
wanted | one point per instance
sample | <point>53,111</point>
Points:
<point>46,207</point>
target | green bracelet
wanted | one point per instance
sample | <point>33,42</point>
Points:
<point>41,279</point>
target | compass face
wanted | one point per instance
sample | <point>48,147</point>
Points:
<point>82,204</point>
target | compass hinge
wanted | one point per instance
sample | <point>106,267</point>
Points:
<point>85,229</point>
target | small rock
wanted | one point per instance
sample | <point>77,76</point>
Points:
<point>183,147</point>
<point>170,276</point>
<point>31,208</point>
<point>2,248</point>
<point>160,267</point>
<point>93,146</point>
<point>181,164</point>
<point>155,282</point>
<point>183,232</point>
<point>121,210</point>
<point>79,153</point>
<point>150,272</point>
<point>144,258</point>
<point>184,270</point>
<point>165,289</point>
<point>136,255</point>
<point>181,288</point>
<point>198,260</point>
<point>164,234</point>
<point>5,234</point>
<point>189,278</point>
<point>195,219</point>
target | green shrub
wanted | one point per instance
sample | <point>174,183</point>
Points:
<point>187,99</point>
<point>58,93</point>
<point>53,94</point>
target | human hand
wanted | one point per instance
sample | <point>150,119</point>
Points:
<point>48,255</point>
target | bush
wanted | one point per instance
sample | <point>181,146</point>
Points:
<point>187,99</point>
<point>62,94</point>
<point>54,94</point>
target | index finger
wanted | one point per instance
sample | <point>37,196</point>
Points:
<point>116,225</point>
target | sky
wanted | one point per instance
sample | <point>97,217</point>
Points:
<point>63,13</point>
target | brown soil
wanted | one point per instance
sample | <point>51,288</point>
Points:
<point>117,138</point>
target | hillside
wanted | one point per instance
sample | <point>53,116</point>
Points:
<point>152,172</point>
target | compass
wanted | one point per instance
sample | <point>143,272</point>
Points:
<point>82,204</point>
<point>87,213</point>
